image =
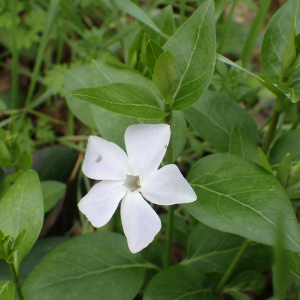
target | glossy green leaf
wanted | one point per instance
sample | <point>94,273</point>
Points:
<point>163,75</point>
<point>52,193</point>
<point>214,116</point>
<point>132,9</point>
<point>178,282</point>
<point>274,44</point>
<point>287,143</point>
<point>284,169</point>
<point>248,281</point>
<point>178,133</point>
<point>7,290</point>
<point>97,265</point>
<point>211,250</point>
<point>263,161</point>
<point>194,48</point>
<point>38,251</point>
<point>125,99</point>
<point>293,190</point>
<point>240,144</point>
<point>153,51</point>
<point>22,208</point>
<point>238,196</point>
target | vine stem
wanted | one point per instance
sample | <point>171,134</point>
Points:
<point>232,267</point>
<point>272,127</point>
<point>15,276</point>
<point>169,238</point>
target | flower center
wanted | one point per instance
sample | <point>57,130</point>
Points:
<point>132,183</point>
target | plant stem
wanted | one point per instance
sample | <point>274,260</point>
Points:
<point>227,26</point>
<point>254,31</point>
<point>182,11</point>
<point>15,276</point>
<point>232,267</point>
<point>272,127</point>
<point>15,57</point>
<point>169,240</point>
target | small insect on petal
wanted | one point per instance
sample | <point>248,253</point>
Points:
<point>99,158</point>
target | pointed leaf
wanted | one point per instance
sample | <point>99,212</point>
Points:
<point>124,99</point>
<point>194,48</point>
<point>153,51</point>
<point>238,196</point>
<point>263,161</point>
<point>7,290</point>
<point>284,169</point>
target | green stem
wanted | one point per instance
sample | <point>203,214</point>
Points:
<point>182,11</point>
<point>232,267</point>
<point>16,279</point>
<point>70,123</point>
<point>227,26</point>
<point>15,57</point>
<point>273,124</point>
<point>254,31</point>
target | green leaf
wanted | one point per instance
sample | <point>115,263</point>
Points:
<point>178,133</point>
<point>211,250</point>
<point>124,99</point>
<point>153,51</point>
<point>248,281</point>
<point>22,208</point>
<point>97,265</point>
<point>163,75</point>
<point>227,61</point>
<point>178,282</point>
<point>236,295</point>
<point>38,251</point>
<point>263,161</point>
<point>52,193</point>
<point>274,45</point>
<point>238,196</point>
<point>287,143</point>
<point>214,116</point>
<point>132,9</point>
<point>54,163</point>
<point>7,290</point>
<point>284,169</point>
<point>194,49</point>
<point>241,145</point>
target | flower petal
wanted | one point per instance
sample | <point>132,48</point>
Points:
<point>140,222</point>
<point>167,186</point>
<point>146,146</point>
<point>105,160</point>
<point>100,203</point>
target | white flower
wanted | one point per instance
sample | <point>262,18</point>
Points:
<point>133,178</point>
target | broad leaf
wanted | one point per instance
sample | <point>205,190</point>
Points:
<point>211,250</point>
<point>194,48</point>
<point>124,99</point>
<point>178,282</point>
<point>214,116</point>
<point>288,143</point>
<point>38,251</point>
<point>7,290</point>
<point>22,208</point>
<point>238,196</point>
<point>241,145</point>
<point>52,193</point>
<point>92,266</point>
<point>274,44</point>
<point>153,51</point>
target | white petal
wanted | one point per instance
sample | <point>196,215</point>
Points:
<point>100,203</point>
<point>105,160</point>
<point>140,222</point>
<point>146,145</point>
<point>167,186</point>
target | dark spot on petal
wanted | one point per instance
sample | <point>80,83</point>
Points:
<point>99,158</point>
<point>166,146</point>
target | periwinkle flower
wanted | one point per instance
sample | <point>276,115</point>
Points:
<point>133,178</point>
